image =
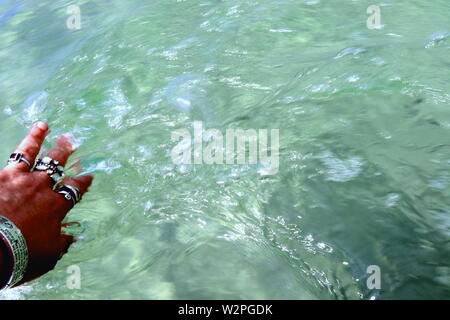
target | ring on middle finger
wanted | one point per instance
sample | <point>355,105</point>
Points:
<point>52,168</point>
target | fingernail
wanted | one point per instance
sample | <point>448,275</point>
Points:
<point>42,125</point>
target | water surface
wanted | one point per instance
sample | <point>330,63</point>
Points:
<point>364,119</point>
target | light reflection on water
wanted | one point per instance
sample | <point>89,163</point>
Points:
<point>364,151</point>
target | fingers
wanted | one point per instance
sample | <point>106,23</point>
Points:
<point>69,224</point>
<point>82,183</point>
<point>62,150</point>
<point>30,147</point>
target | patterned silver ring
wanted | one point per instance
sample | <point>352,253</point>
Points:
<point>70,193</point>
<point>52,168</point>
<point>18,158</point>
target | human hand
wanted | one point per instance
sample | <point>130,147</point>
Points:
<point>28,200</point>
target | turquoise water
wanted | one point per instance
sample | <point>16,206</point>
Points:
<point>364,120</point>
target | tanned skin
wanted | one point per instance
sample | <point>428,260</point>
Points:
<point>27,199</point>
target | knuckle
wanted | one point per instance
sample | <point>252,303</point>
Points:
<point>4,176</point>
<point>42,178</point>
<point>34,187</point>
<point>62,206</point>
<point>60,201</point>
<point>21,181</point>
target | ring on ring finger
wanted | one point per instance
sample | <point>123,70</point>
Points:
<point>70,193</point>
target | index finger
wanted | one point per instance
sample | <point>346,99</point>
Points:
<point>30,147</point>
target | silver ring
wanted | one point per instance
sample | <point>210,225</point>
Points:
<point>70,193</point>
<point>16,158</point>
<point>51,167</point>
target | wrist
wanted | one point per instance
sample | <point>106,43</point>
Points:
<point>6,264</point>
<point>16,250</point>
